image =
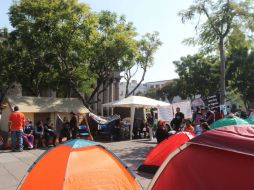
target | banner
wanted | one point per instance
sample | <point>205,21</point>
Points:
<point>185,108</point>
<point>213,102</point>
<point>165,113</point>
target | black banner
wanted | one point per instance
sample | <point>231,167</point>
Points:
<point>213,102</point>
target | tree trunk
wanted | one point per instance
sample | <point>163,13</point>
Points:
<point>82,98</point>
<point>222,71</point>
<point>142,79</point>
<point>127,88</point>
<point>96,89</point>
<point>3,94</point>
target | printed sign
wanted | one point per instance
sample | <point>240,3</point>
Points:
<point>165,113</point>
<point>213,102</point>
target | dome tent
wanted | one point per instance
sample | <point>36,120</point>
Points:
<point>218,159</point>
<point>79,164</point>
<point>159,153</point>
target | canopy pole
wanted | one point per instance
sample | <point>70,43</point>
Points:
<point>132,121</point>
<point>102,108</point>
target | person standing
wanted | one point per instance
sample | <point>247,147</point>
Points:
<point>65,131</point>
<point>178,120</point>
<point>150,120</point>
<point>74,125</point>
<point>16,124</point>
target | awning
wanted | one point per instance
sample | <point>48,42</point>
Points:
<point>29,104</point>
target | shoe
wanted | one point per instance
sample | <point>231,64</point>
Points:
<point>20,150</point>
<point>13,150</point>
<point>31,147</point>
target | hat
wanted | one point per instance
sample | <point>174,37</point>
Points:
<point>72,113</point>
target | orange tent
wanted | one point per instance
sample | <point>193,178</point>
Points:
<point>79,164</point>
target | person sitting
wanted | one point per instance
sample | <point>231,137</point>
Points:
<point>210,116</point>
<point>28,134</point>
<point>188,127</point>
<point>161,132</point>
<point>65,131</point>
<point>218,114</point>
<point>39,134</point>
<point>49,132</point>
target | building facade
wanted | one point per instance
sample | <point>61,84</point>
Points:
<point>144,87</point>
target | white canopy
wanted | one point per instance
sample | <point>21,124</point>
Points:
<point>139,102</point>
<point>136,102</point>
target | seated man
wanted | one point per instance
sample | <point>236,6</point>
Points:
<point>49,132</point>
<point>161,132</point>
<point>39,134</point>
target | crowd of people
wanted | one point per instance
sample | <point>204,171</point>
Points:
<point>28,135</point>
<point>199,123</point>
<point>202,118</point>
<point>39,135</point>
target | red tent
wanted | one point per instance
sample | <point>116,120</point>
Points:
<point>159,153</point>
<point>218,159</point>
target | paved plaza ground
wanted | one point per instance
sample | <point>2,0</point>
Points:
<point>13,165</point>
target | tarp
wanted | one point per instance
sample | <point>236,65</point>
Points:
<point>218,159</point>
<point>47,104</point>
<point>79,164</point>
<point>227,121</point>
<point>159,153</point>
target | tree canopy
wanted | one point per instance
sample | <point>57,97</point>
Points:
<point>63,46</point>
<point>215,22</point>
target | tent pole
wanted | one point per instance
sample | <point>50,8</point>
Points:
<point>132,121</point>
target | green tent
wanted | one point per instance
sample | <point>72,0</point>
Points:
<point>226,121</point>
<point>250,120</point>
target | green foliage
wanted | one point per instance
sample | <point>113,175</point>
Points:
<point>240,67</point>
<point>52,38</point>
<point>61,45</point>
<point>215,22</point>
<point>147,47</point>
<point>7,65</point>
<point>113,46</point>
<point>198,75</point>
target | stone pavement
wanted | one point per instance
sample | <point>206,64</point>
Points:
<point>13,165</point>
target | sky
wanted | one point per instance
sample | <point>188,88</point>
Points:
<point>147,16</point>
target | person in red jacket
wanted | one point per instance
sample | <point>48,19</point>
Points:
<point>218,114</point>
<point>188,127</point>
